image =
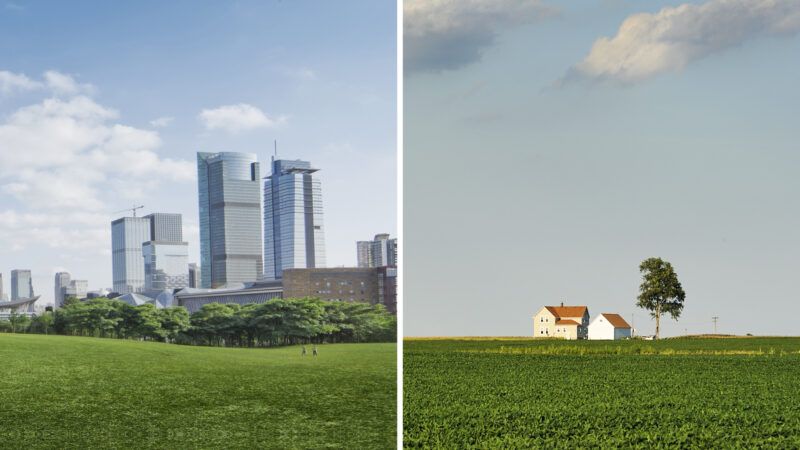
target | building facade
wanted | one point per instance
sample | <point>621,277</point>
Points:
<point>294,234</point>
<point>2,294</point>
<point>608,326</point>
<point>21,284</point>
<point>62,280</point>
<point>229,197</point>
<point>347,284</point>
<point>566,322</point>
<point>194,276</point>
<point>165,265</point>
<point>127,236</point>
<point>244,294</point>
<point>379,252</point>
<point>76,288</point>
<point>165,227</point>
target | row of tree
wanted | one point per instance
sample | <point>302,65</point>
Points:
<point>276,322</point>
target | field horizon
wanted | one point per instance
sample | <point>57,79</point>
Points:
<point>543,393</point>
<point>71,391</point>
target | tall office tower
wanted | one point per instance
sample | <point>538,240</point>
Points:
<point>230,218</point>
<point>294,236</point>
<point>62,281</point>
<point>194,276</point>
<point>21,284</point>
<point>165,227</point>
<point>379,252</point>
<point>127,236</point>
<point>165,265</point>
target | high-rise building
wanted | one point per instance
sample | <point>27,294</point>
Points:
<point>294,235</point>
<point>2,294</point>
<point>194,275</point>
<point>379,252</point>
<point>127,236</point>
<point>165,227</point>
<point>62,281</point>
<point>230,218</point>
<point>165,265</point>
<point>21,284</point>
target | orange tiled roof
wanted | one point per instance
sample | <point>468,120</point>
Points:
<point>567,311</point>
<point>616,320</point>
<point>566,322</point>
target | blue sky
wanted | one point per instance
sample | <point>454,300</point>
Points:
<point>104,104</point>
<point>556,145</point>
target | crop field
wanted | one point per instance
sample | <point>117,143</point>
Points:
<point>74,392</point>
<point>673,393</point>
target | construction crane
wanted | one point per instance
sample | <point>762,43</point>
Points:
<point>133,210</point>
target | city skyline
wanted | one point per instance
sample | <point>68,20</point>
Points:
<point>135,110</point>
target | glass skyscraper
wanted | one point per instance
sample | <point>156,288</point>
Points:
<point>127,236</point>
<point>294,235</point>
<point>165,265</point>
<point>21,284</point>
<point>230,218</point>
<point>62,281</point>
<point>165,227</point>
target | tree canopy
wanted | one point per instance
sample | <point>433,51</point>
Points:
<point>276,322</point>
<point>660,292</point>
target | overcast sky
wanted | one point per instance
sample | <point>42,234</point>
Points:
<point>552,146</point>
<point>104,104</point>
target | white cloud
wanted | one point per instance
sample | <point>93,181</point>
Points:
<point>448,34</point>
<point>650,44</point>
<point>63,84</point>
<point>237,118</point>
<point>66,162</point>
<point>161,122</point>
<point>14,82</point>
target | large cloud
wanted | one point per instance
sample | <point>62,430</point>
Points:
<point>238,117</point>
<point>65,159</point>
<point>449,34</point>
<point>649,44</point>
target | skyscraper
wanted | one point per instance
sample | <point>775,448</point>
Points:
<point>194,276</point>
<point>165,227</point>
<point>230,218</point>
<point>379,252</point>
<point>21,284</point>
<point>127,236</point>
<point>61,282</point>
<point>293,231</point>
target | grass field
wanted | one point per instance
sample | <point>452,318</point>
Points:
<point>676,393</point>
<point>73,392</point>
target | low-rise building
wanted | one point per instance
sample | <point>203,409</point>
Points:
<point>608,326</point>
<point>241,293</point>
<point>567,322</point>
<point>373,285</point>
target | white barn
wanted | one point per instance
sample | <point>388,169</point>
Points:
<point>608,326</point>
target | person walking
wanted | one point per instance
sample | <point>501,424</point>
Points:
<point>314,350</point>
<point>304,351</point>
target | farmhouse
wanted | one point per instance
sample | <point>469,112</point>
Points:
<point>609,327</point>
<point>568,322</point>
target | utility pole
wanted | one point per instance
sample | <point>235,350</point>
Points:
<point>633,326</point>
<point>715,318</point>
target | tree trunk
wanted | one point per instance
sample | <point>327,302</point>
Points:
<point>658,319</point>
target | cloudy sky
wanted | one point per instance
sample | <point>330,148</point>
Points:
<point>555,145</point>
<point>103,105</point>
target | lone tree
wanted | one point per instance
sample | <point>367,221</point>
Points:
<point>660,291</point>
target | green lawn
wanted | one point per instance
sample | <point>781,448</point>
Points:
<point>677,393</point>
<point>74,392</point>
